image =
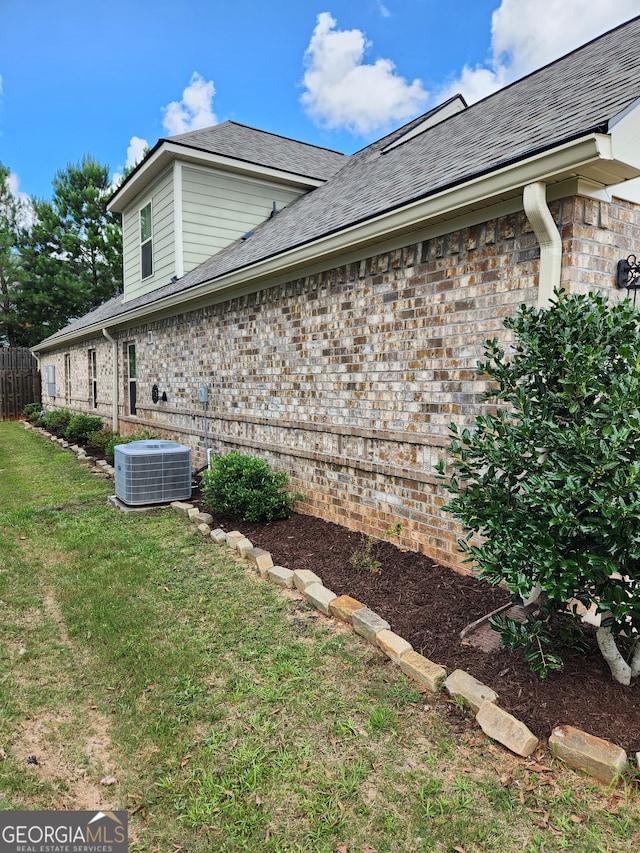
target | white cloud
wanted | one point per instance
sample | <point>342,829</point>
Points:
<point>344,92</point>
<point>194,111</point>
<point>135,153</point>
<point>26,216</point>
<point>527,34</point>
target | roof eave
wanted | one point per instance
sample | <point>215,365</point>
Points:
<point>166,152</point>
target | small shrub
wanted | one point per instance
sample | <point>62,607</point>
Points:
<point>99,440</point>
<point>116,438</point>
<point>365,557</point>
<point>81,428</point>
<point>34,413</point>
<point>57,421</point>
<point>245,488</point>
<point>30,409</point>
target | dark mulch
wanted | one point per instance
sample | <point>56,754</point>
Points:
<point>429,605</point>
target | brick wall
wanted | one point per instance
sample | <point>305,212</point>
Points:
<point>349,379</point>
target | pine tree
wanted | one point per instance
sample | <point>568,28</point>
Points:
<point>72,254</point>
<point>10,270</point>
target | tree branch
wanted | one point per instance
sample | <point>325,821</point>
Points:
<point>620,669</point>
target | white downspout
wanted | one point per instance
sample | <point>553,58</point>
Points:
<point>548,236</point>
<point>114,395</point>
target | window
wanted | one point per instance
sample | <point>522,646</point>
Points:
<point>131,377</point>
<point>51,380</point>
<point>146,242</point>
<point>67,379</point>
<point>93,378</point>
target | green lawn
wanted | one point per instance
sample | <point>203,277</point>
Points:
<point>228,716</point>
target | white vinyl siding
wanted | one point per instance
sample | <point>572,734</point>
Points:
<point>161,198</point>
<point>219,207</point>
<point>214,209</point>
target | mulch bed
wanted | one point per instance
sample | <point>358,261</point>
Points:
<point>429,605</point>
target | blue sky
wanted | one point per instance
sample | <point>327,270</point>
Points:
<point>104,78</point>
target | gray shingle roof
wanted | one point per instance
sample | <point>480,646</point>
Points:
<point>573,96</point>
<point>260,148</point>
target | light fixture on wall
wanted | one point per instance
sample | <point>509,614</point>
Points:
<point>628,273</point>
<point>155,395</point>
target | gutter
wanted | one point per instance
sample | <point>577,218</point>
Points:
<point>114,371</point>
<point>544,227</point>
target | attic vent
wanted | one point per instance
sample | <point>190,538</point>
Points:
<point>148,472</point>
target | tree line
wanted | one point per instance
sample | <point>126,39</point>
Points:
<point>59,257</point>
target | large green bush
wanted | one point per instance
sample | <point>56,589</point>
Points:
<point>81,427</point>
<point>245,488</point>
<point>57,420</point>
<point>547,483</point>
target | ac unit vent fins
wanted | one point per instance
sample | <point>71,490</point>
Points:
<point>150,472</point>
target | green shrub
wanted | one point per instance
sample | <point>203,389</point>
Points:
<point>57,420</point>
<point>547,483</point>
<point>365,557</point>
<point>116,438</point>
<point>31,409</point>
<point>81,428</point>
<point>99,440</point>
<point>34,413</point>
<point>245,488</point>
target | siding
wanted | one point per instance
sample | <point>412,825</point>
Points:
<point>162,211</point>
<point>219,207</point>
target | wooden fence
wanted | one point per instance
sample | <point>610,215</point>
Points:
<point>19,381</point>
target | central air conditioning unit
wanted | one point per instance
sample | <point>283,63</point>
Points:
<point>148,472</point>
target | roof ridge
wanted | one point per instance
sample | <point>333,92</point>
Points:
<point>255,130</point>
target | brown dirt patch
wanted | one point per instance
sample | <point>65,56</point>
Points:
<point>429,605</point>
<point>73,756</point>
<point>48,750</point>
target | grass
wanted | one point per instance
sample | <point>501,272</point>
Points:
<point>232,717</point>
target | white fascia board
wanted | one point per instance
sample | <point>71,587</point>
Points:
<point>625,135</point>
<point>587,156</point>
<point>170,151</point>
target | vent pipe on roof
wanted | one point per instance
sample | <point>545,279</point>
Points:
<point>548,236</point>
<point>114,370</point>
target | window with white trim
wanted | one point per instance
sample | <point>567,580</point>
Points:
<point>146,242</point>
<point>93,378</point>
<point>131,377</point>
<point>67,378</point>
